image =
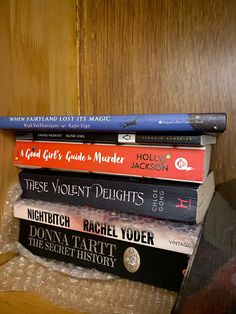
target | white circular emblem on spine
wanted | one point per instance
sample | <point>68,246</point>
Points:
<point>131,259</point>
<point>182,164</point>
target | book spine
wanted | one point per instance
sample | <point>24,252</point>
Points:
<point>202,122</point>
<point>84,137</point>
<point>155,200</point>
<point>112,138</point>
<point>169,139</point>
<point>172,163</point>
<point>146,231</point>
<point>148,265</point>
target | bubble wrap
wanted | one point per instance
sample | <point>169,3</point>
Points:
<point>71,286</point>
<point>9,233</point>
<point>163,231</point>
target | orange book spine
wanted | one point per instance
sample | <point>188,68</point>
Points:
<point>171,163</point>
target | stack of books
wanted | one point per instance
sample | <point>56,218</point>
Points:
<point>124,194</point>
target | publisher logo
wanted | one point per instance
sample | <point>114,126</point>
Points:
<point>126,138</point>
<point>131,259</point>
<point>184,203</point>
<point>182,164</point>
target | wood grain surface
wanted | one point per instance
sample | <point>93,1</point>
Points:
<point>38,61</point>
<point>149,56</point>
<point>28,303</point>
<point>38,67</point>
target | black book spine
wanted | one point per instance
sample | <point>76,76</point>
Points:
<point>112,138</point>
<point>208,122</point>
<point>86,137</point>
<point>132,261</point>
<point>176,140</point>
<point>176,202</point>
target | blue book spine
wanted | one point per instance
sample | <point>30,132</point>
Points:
<point>193,123</point>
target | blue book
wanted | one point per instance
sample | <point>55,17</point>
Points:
<point>166,123</point>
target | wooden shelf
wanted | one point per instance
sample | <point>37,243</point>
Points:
<point>28,303</point>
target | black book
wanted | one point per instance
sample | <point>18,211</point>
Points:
<point>176,139</point>
<point>136,262</point>
<point>180,201</point>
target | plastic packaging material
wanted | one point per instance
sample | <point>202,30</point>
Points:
<point>9,228</point>
<point>9,233</point>
<point>72,286</point>
<point>163,231</point>
<point>92,296</point>
<point>65,268</point>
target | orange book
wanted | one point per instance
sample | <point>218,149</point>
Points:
<point>161,162</point>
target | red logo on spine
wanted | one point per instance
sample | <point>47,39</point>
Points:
<point>184,203</point>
